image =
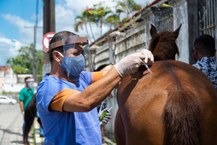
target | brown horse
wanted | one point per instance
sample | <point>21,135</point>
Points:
<point>176,104</point>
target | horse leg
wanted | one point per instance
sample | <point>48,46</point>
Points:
<point>119,130</point>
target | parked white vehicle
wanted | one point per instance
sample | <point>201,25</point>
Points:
<point>7,100</point>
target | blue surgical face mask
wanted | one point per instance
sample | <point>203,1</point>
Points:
<point>30,84</point>
<point>73,65</point>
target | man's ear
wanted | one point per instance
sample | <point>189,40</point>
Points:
<point>57,56</point>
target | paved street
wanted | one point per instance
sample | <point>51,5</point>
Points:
<point>11,121</point>
<point>10,125</point>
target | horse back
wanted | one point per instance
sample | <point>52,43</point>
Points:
<point>174,105</point>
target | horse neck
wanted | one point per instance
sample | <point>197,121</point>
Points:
<point>163,50</point>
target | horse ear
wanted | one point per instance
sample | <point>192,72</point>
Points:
<point>153,31</point>
<point>176,32</point>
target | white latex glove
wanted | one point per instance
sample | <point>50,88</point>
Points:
<point>149,58</point>
<point>131,63</point>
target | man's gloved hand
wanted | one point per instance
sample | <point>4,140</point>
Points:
<point>149,58</point>
<point>131,63</point>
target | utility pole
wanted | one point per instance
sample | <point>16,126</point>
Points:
<point>33,49</point>
<point>35,58</point>
<point>48,26</point>
<point>34,52</point>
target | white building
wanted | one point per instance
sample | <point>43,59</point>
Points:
<point>9,81</point>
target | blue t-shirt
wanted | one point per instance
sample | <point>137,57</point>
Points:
<point>67,128</point>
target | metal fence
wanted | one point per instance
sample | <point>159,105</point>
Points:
<point>163,18</point>
<point>206,13</point>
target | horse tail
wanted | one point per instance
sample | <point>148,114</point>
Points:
<point>181,119</point>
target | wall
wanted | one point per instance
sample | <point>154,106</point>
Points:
<point>180,17</point>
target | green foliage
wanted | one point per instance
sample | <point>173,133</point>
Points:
<point>102,15</point>
<point>113,19</point>
<point>22,63</point>
<point>40,64</point>
<point>128,6</point>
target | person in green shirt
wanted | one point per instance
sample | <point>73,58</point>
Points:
<point>26,94</point>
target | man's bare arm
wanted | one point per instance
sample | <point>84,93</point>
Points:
<point>93,94</point>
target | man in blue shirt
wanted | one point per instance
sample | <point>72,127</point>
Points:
<point>204,54</point>
<point>68,96</point>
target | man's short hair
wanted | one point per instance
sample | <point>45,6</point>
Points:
<point>205,44</point>
<point>26,78</point>
<point>58,37</point>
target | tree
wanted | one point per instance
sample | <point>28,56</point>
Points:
<point>80,21</point>
<point>98,15</point>
<point>113,20</point>
<point>128,6</point>
<point>101,15</point>
<point>90,16</point>
<point>22,63</point>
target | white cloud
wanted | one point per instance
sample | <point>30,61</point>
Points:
<point>24,27</point>
<point>25,34</point>
<point>66,12</point>
<point>26,30</point>
<point>9,48</point>
<point>143,2</point>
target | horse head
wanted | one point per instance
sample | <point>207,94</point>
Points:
<point>163,44</point>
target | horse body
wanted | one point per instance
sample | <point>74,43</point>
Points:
<point>176,104</point>
<point>190,105</point>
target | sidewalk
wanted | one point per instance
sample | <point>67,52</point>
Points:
<point>39,140</point>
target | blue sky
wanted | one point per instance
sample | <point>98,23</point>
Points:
<point>17,15</point>
<point>24,9</point>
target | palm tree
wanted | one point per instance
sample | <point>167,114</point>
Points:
<point>80,22</point>
<point>90,18</point>
<point>101,15</point>
<point>98,15</point>
<point>113,20</point>
<point>128,6</point>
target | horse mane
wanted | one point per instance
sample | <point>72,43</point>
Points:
<point>163,44</point>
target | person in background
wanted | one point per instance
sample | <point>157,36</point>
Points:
<point>204,55</point>
<point>68,96</point>
<point>25,96</point>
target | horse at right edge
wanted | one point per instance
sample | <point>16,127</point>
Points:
<point>174,104</point>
